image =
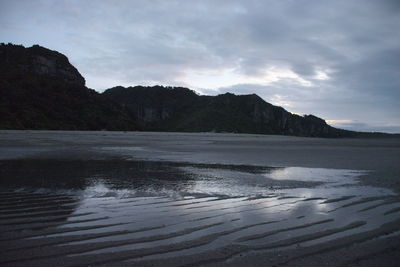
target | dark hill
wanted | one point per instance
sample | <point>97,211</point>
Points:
<point>180,109</point>
<point>40,89</point>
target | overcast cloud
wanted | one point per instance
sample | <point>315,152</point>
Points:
<point>339,60</point>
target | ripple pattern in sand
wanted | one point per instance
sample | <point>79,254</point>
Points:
<point>53,228</point>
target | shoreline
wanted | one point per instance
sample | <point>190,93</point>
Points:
<point>267,216</point>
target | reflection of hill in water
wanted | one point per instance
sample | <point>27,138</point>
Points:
<point>81,174</point>
<point>152,213</point>
<point>143,177</point>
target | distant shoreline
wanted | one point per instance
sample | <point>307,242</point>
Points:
<point>363,135</point>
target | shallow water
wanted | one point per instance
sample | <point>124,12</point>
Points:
<point>102,211</point>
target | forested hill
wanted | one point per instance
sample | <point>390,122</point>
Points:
<point>180,109</point>
<point>40,89</point>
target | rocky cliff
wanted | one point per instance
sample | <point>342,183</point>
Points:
<point>38,60</point>
<point>40,89</point>
<point>180,109</point>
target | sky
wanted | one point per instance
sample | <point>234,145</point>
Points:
<point>338,60</point>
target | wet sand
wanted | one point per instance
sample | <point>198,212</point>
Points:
<point>176,199</point>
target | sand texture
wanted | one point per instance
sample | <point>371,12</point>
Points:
<point>174,199</point>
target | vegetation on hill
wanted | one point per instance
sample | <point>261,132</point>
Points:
<point>40,89</point>
<point>180,109</point>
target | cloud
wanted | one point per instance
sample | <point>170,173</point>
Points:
<point>337,59</point>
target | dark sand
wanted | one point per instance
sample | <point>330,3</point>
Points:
<point>178,199</point>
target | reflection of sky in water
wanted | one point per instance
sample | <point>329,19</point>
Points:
<point>119,206</point>
<point>281,194</point>
<point>337,176</point>
<point>163,178</point>
<point>223,182</point>
<point>148,179</point>
<point>124,179</point>
<point>266,194</point>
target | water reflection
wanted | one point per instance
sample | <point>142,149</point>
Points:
<point>84,211</point>
<point>80,175</point>
<point>148,178</point>
<point>144,177</point>
<point>333,176</point>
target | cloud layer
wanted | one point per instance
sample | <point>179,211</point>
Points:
<point>339,60</point>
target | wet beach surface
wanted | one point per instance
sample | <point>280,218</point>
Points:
<point>117,198</point>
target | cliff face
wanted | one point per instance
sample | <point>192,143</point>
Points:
<point>154,105</point>
<point>37,60</point>
<point>40,89</point>
<point>180,109</point>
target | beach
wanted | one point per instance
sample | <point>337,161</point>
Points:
<point>178,199</point>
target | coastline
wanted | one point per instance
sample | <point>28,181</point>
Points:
<point>202,156</point>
